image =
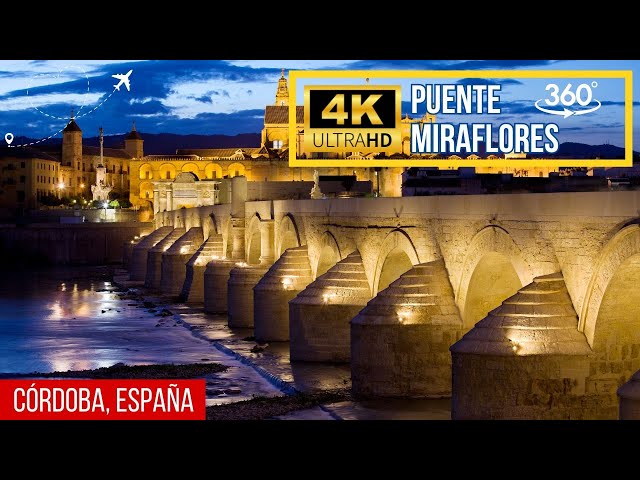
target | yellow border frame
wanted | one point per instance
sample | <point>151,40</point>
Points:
<point>627,75</point>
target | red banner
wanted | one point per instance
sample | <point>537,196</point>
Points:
<point>102,399</point>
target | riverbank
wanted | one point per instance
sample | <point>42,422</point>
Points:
<point>308,390</point>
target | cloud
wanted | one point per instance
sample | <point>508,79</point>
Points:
<point>48,100</point>
<point>447,64</point>
<point>488,81</point>
<point>204,99</point>
<point>617,103</point>
<point>245,121</point>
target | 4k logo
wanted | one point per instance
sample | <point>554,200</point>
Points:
<point>352,119</point>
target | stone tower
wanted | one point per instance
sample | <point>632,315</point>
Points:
<point>133,143</point>
<point>71,143</point>
<point>282,93</point>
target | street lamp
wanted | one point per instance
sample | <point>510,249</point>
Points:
<point>60,188</point>
<point>377,172</point>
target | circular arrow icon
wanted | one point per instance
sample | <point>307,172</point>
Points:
<point>567,97</point>
<point>565,112</point>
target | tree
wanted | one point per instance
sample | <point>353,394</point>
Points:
<point>51,200</point>
<point>348,183</point>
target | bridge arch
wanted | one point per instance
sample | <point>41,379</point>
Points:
<point>492,271</point>
<point>254,240</point>
<point>611,308</point>
<point>396,256</point>
<point>209,226</point>
<point>328,255</point>
<point>191,218</point>
<point>288,234</point>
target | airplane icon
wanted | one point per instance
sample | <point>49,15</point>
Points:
<point>124,79</point>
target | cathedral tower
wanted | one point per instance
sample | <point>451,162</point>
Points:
<point>282,93</point>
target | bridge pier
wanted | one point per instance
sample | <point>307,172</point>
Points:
<point>216,277</point>
<point>526,360</point>
<point>193,288</point>
<point>242,280</point>
<point>282,283</point>
<point>173,267</point>
<point>400,341</point>
<point>154,258</point>
<point>127,249</point>
<point>319,316</point>
<point>139,255</point>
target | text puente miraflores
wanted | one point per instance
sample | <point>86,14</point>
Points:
<point>517,306</point>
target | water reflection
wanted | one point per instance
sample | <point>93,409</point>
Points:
<point>61,320</point>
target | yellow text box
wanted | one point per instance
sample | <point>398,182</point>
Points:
<point>626,75</point>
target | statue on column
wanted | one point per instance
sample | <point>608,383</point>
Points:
<point>316,193</point>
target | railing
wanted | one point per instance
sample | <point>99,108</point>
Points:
<point>169,158</point>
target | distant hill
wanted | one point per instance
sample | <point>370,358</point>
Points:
<point>168,143</point>
<point>583,150</point>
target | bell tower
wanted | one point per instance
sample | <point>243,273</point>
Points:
<point>282,93</point>
<point>133,143</point>
<point>71,143</point>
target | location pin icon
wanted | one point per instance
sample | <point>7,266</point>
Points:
<point>8,137</point>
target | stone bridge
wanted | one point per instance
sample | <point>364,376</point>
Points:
<point>517,306</point>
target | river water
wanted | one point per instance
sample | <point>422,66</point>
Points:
<point>76,319</point>
<point>73,319</point>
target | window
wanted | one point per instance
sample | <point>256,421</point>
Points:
<point>78,166</point>
<point>168,175</point>
<point>22,165</point>
<point>20,195</point>
<point>23,179</point>
<point>148,175</point>
<point>277,144</point>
